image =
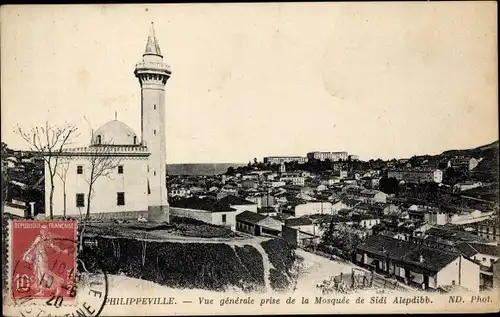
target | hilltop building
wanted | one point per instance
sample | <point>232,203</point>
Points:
<point>332,156</point>
<point>284,159</point>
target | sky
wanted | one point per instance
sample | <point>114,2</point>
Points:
<point>379,80</point>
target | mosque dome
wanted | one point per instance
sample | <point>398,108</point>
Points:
<point>115,133</point>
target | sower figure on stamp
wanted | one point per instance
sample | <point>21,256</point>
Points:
<point>37,254</point>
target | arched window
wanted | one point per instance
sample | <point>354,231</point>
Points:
<point>99,139</point>
<point>135,139</point>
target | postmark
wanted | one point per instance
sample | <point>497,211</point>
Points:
<point>46,277</point>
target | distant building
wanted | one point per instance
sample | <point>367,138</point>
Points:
<point>366,221</point>
<point>284,159</point>
<point>489,229</point>
<point>262,200</point>
<point>466,186</point>
<point>464,163</point>
<point>282,168</point>
<point>294,180</point>
<point>332,156</point>
<point>416,175</point>
<point>343,174</point>
<point>366,195</point>
<point>239,204</point>
<point>312,208</point>
<point>179,192</point>
<point>353,157</point>
<point>436,218</point>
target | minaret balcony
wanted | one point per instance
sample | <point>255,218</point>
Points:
<point>153,67</point>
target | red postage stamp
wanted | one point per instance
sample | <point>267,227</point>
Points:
<point>43,259</point>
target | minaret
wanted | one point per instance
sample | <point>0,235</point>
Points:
<point>153,74</point>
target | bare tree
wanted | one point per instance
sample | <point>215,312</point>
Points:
<point>62,173</point>
<point>5,175</point>
<point>102,163</point>
<point>48,142</point>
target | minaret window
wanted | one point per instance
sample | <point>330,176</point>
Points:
<point>154,107</point>
<point>154,132</point>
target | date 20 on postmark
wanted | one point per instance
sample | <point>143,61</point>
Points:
<point>42,262</point>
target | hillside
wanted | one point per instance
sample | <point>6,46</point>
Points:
<point>207,266</point>
<point>492,147</point>
<point>200,169</point>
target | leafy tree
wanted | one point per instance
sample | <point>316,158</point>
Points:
<point>389,185</point>
<point>230,171</point>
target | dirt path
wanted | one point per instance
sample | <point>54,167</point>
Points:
<point>160,236</point>
<point>267,266</point>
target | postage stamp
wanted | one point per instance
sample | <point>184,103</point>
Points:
<point>43,261</point>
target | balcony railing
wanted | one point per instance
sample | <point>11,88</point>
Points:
<point>153,65</point>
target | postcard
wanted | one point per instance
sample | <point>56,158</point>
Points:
<point>265,158</point>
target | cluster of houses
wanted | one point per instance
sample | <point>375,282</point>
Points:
<point>23,183</point>
<point>419,244</point>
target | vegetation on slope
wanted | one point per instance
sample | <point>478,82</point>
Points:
<point>282,257</point>
<point>210,266</point>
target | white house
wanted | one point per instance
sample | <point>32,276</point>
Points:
<point>206,210</point>
<point>418,265</point>
<point>466,186</point>
<point>277,184</point>
<point>368,222</point>
<point>321,188</point>
<point>179,192</point>
<point>339,205</point>
<point>311,208</point>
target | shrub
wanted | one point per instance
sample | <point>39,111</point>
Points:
<point>282,257</point>
<point>252,260</point>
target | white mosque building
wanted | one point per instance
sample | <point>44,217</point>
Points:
<point>135,180</point>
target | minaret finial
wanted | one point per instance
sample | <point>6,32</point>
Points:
<point>152,46</point>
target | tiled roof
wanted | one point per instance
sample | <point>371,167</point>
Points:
<point>486,249</point>
<point>206,204</point>
<point>298,222</point>
<point>387,247</point>
<point>250,217</point>
<point>453,235</point>
<point>466,249</point>
<point>234,200</point>
<point>409,253</point>
<point>432,259</point>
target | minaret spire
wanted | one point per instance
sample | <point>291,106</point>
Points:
<point>152,46</point>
